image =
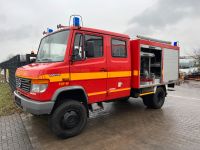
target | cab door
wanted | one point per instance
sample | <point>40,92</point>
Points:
<point>119,68</point>
<point>88,64</point>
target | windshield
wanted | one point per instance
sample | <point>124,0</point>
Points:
<point>52,48</point>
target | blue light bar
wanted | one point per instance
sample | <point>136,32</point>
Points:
<point>175,43</point>
<point>49,30</point>
<point>76,21</point>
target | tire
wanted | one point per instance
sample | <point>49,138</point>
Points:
<point>156,100</point>
<point>147,100</point>
<point>68,119</point>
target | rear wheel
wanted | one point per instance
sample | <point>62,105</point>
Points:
<point>147,100</point>
<point>68,119</point>
<point>156,100</point>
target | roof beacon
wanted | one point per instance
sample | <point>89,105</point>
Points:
<point>176,43</point>
<point>77,21</point>
<point>49,30</point>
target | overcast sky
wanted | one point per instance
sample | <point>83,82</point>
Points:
<point>22,21</point>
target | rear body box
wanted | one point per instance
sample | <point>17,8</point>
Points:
<point>169,61</point>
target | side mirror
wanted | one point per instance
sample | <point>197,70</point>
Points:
<point>75,55</point>
<point>32,60</point>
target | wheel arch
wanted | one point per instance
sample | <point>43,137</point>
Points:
<point>161,86</point>
<point>77,93</point>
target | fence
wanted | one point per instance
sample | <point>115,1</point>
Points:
<point>10,66</point>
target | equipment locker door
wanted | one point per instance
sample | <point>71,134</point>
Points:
<point>119,68</point>
<point>89,67</point>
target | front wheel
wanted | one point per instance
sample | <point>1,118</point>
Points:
<point>156,100</point>
<point>68,119</point>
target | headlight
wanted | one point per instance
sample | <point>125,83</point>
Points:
<point>39,86</point>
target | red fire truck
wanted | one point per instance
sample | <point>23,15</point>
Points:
<point>78,66</point>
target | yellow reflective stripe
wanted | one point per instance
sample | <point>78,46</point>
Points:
<point>119,90</point>
<point>97,93</point>
<point>110,91</point>
<point>116,74</point>
<point>27,77</point>
<point>21,73</point>
<point>135,72</point>
<point>39,81</point>
<point>54,77</point>
<point>83,76</point>
<point>146,93</point>
<point>87,76</point>
<point>99,75</point>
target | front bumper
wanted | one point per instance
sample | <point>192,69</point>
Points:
<point>33,107</point>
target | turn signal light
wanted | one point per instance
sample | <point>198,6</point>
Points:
<point>40,81</point>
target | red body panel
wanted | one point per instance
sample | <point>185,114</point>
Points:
<point>108,64</point>
<point>91,65</point>
<point>135,62</point>
<point>118,65</point>
<point>157,44</point>
<point>33,71</point>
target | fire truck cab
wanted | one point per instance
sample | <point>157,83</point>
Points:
<point>78,66</point>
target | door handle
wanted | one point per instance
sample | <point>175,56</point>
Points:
<point>103,70</point>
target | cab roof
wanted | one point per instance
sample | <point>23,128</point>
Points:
<point>92,30</point>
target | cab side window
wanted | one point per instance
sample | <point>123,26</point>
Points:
<point>78,47</point>
<point>119,48</point>
<point>93,46</point>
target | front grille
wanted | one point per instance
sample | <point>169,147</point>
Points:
<point>23,83</point>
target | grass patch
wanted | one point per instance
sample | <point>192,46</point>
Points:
<point>7,106</point>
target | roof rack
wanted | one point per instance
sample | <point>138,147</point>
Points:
<point>152,39</point>
<point>59,26</point>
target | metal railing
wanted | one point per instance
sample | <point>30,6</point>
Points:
<point>10,66</point>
